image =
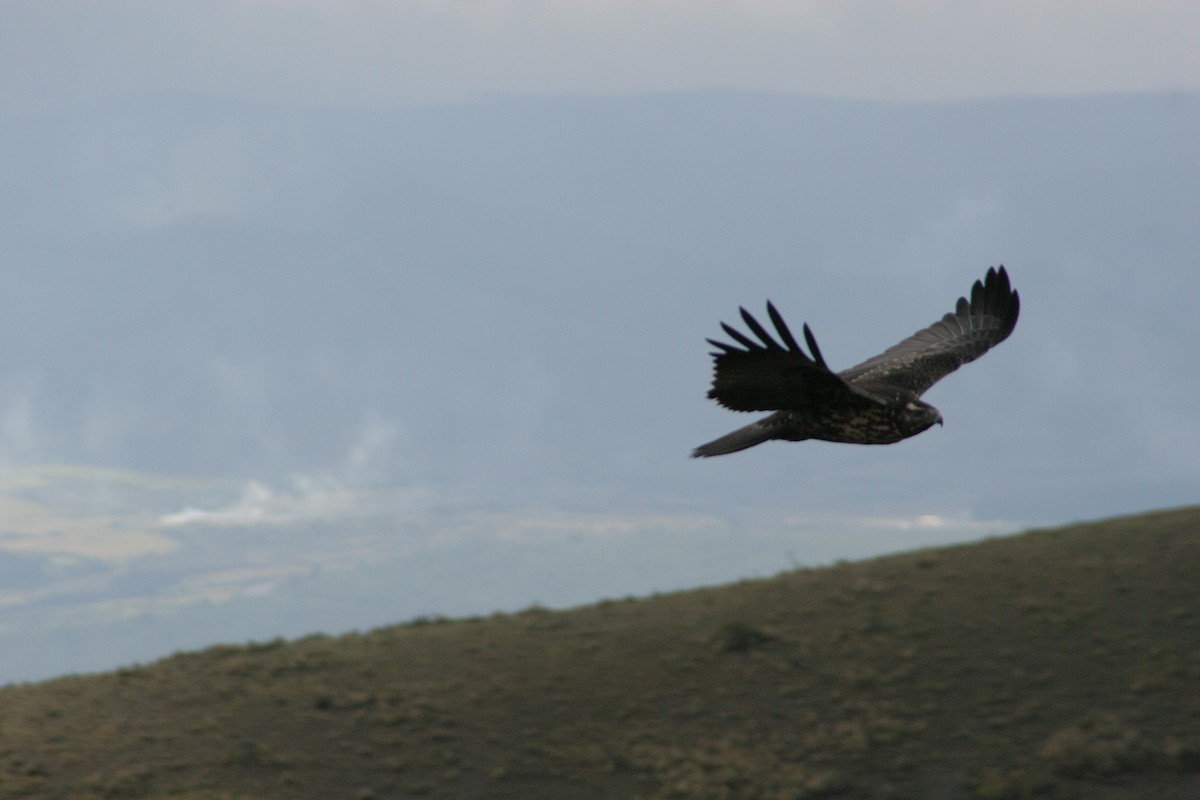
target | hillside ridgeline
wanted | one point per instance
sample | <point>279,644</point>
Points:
<point>1056,663</point>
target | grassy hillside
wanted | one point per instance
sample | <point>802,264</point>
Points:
<point>1057,663</point>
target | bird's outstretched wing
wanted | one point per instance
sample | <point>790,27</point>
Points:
<point>931,354</point>
<point>766,375</point>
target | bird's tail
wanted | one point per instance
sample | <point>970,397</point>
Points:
<point>752,434</point>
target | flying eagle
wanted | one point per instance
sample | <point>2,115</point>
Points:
<point>876,402</point>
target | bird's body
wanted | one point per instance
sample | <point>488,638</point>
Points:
<point>875,402</point>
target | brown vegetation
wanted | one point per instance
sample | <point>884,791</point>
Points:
<point>1057,663</point>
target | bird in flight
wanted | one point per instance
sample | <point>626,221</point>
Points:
<point>876,402</point>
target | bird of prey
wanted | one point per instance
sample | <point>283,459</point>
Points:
<point>876,402</point>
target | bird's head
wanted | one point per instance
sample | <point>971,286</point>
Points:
<point>920,416</point>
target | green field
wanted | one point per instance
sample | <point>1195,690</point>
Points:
<point>1056,663</point>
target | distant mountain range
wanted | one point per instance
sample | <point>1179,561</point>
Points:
<point>513,295</point>
<point>312,369</point>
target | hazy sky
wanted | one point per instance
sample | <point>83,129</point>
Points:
<point>309,304</point>
<point>369,52</point>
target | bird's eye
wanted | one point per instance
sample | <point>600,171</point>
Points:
<point>912,406</point>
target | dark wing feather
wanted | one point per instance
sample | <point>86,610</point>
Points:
<point>931,354</point>
<point>765,375</point>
